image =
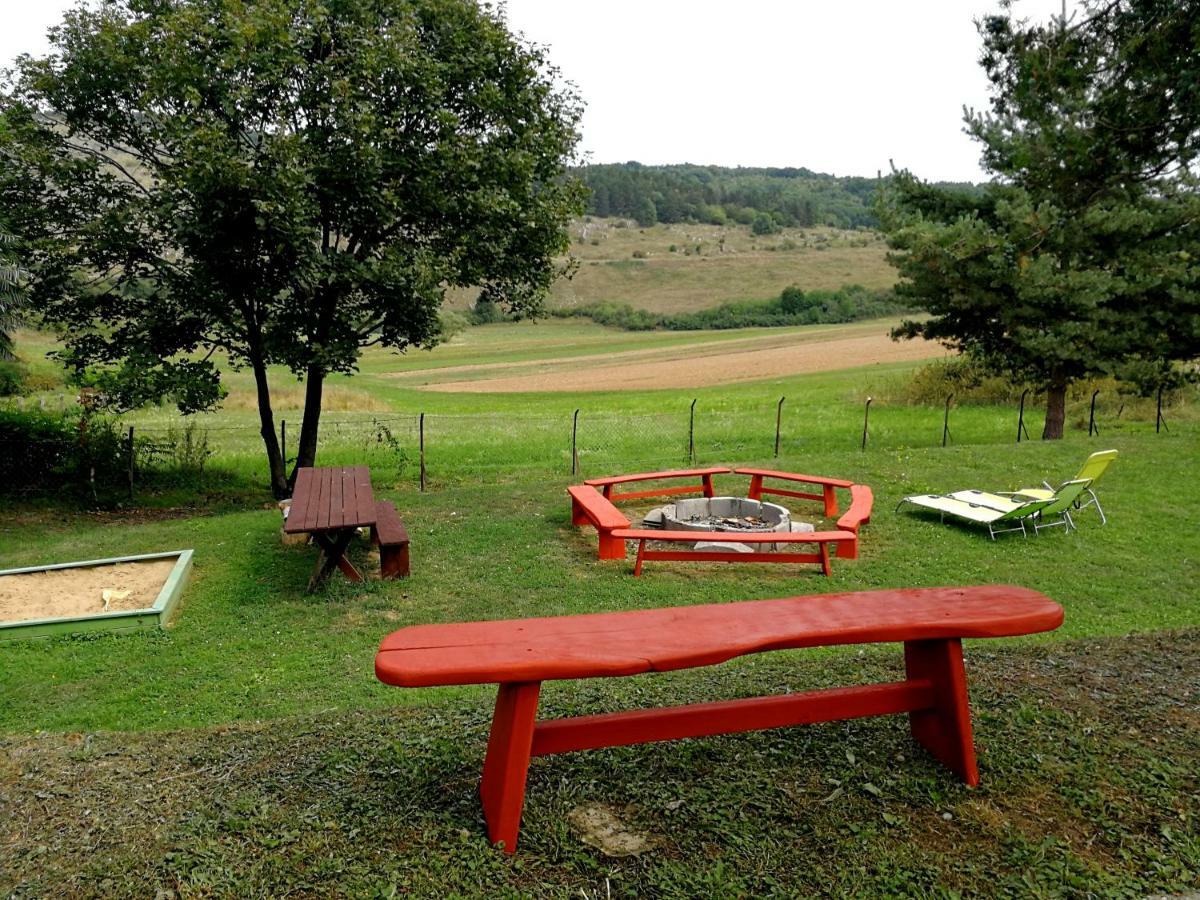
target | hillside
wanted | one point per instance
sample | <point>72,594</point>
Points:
<point>687,267</point>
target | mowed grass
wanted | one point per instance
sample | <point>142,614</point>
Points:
<point>250,644</point>
<point>744,267</point>
<point>248,749</point>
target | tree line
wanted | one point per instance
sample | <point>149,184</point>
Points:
<point>766,199</point>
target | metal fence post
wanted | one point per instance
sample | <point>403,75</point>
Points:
<point>1159,421</point>
<point>778,422</point>
<point>866,420</point>
<point>692,433</point>
<point>1021,418</point>
<point>283,441</point>
<point>946,421</point>
<point>421,429</point>
<point>574,444</point>
<point>1092,426</point>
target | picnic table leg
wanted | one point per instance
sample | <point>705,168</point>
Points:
<point>945,729</point>
<point>502,788</point>
<point>831,504</point>
<point>708,485</point>
<point>333,555</point>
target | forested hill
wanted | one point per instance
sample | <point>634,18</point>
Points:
<point>765,199</point>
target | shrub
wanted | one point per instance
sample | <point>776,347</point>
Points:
<point>46,450</point>
<point>12,378</point>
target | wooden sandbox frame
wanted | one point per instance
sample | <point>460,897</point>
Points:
<point>156,615</point>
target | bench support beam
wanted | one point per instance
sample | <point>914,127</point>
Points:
<point>729,717</point>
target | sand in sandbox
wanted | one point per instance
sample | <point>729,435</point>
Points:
<point>60,593</point>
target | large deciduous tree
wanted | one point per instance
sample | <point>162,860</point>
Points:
<point>1082,256</point>
<point>279,182</point>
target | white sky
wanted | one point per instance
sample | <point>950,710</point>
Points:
<point>836,87</point>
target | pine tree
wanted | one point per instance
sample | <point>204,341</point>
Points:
<point>1079,258</point>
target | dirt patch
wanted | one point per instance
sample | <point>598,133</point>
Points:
<point>60,593</point>
<point>601,827</point>
<point>711,364</point>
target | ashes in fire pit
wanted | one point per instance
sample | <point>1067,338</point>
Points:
<point>724,514</point>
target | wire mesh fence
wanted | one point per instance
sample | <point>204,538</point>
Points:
<point>422,448</point>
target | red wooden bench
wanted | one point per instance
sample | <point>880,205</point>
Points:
<point>705,475</point>
<point>821,538</point>
<point>828,485</point>
<point>589,506</point>
<point>391,537</point>
<point>859,513</point>
<point>520,654</point>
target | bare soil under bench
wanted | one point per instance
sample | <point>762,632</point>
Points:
<point>65,593</point>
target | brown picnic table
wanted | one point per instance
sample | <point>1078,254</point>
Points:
<point>331,503</point>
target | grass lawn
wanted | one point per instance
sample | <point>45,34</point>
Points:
<point>248,750</point>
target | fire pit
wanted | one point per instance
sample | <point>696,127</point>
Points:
<point>724,514</point>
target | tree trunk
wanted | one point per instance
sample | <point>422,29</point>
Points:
<point>314,384</point>
<point>1056,411</point>
<point>266,417</point>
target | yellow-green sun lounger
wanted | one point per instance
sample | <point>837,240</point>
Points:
<point>978,513</point>
<point>1091,470</point>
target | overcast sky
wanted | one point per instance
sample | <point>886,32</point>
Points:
<point>836,87</point>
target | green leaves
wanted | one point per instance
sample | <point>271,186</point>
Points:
<point>283,181</point>
<point>1076,260</point>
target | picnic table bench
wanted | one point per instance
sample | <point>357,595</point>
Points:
<point>331,504</point>
<point>519,655</point>
<point>606,485</point>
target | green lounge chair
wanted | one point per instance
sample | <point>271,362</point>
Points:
<point>1093,467</point>
<point>1060,503</point>
<point>978,513</point>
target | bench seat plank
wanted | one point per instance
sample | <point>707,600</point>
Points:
<point>734,537</point>
<point>793,476</point>
<point>660,640</point>
<point>651,476</point>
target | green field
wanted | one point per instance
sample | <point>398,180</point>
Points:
<point>248,749</point>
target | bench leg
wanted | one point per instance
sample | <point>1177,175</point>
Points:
<point>611,547</point>
<point>825,566</point>
<point>848,549</point>
<point>393,561</point>
<point>578,516</point>
<point>502,788</point>
<point>708,485</point>
<point>831,505</point>
<point>945,729</point>
<point>637,566</point>
<point>755,492</point>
